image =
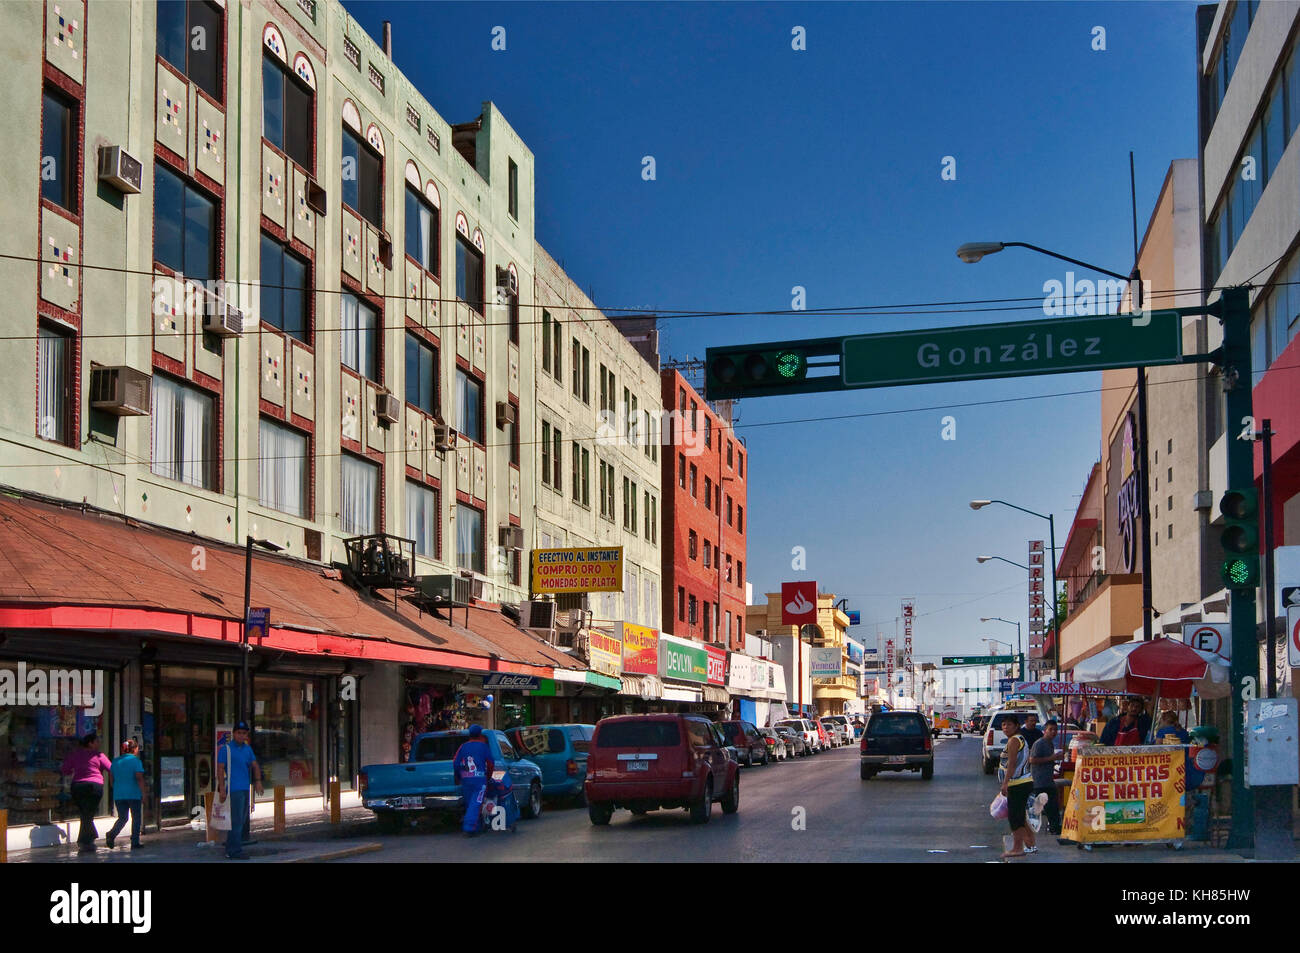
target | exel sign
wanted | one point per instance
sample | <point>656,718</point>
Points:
<point>1015,349</point>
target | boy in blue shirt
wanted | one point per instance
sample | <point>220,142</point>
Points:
<point>128,794</point>
<point>236,767</point>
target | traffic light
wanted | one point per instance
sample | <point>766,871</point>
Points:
<point>771,368</point>
<point>1240,509</point>
<point>759,368</point>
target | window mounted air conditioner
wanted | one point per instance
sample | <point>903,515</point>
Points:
<point>120,169</point>
<point>444,438</point>
<point>537,615</point>
<point>386,250</point>
<point>123,391</point>
<point>220,317</point>
<point>388,407</point>
<point>506,414</point>
<point>511,537</point>
<point>316,196</point>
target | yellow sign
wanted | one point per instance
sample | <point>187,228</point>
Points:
<point>606,653</point>
<point>1123,795</point>
<point>577,570</point>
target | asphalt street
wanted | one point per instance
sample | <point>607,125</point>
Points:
<point>892,818</point>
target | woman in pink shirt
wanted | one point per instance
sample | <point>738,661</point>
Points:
<point>87,766</point>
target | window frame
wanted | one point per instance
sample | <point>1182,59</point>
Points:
<point>212,463</point>
<point>482,538</point>
<point>466,248</point>
<point>65,421</point>
<point>285,250</point>
<point>463,379</point>
<point>308,466</point>
<point>70,125</point>
<point>290,81</point>
<point>422,345</point>
<point>375,350</point>
<point>363,150</point>
<point>434,238</point>
<point>219,57</point>
<point>436,494</point>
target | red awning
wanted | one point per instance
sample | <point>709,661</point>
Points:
<point>61,568</point>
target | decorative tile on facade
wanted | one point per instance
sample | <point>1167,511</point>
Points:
<point>350,408</point>
<point>209,140</point>
<point>65,40</point>
<point>374,429</point>
<point>304,389</point>
<point>59,270</point>
<point>273,187</point>
<point>273,367</point>
<point>374,262</point>
<point>172,112</point>
<point>479,456</point>
<point>414,438</point>
<point>170,312</point>
<point>351,245</point>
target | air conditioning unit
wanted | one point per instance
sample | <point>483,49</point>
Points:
<point>388,407</point>
<point>506,414</point>
<point>511,537</point>
<point>316,196</point>
<point>445,590</point>
<point>537,615</point>
<point>220,317</point>
<point>123,391</point>
<point>478,588</point>
<point>576,619</point>
<point>444,438</point>
<point>566,639</point>
<point>120,169</point>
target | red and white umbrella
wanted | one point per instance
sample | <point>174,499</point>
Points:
<point>1161,667</point>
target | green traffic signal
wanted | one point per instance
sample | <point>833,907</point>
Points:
<point>792,365</point>
<point>1240,538</point>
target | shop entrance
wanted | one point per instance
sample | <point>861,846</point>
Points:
<point>182,708</point>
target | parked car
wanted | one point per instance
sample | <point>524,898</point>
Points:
<point>823,736</point>
<point>560,751</point>
<point>897,741</point>
<point>811,739</point>
<point>837,728</point>
<point>749,744</point>
<point>845,726</point>
<point>776,746</point>
<point>796,745</point>
<point>647,762</point>
<point>425,782</point>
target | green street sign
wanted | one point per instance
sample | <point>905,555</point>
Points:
<point>978,659</point>
<point>1054,346</point>
<point>977,689</point>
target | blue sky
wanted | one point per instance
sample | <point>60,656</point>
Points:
<point>821,168</point>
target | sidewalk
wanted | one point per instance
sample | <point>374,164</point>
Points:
<point>307,839</point>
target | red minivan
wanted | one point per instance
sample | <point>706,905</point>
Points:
<point>647,762</point>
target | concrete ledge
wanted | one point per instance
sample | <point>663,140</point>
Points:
<point>342,852</point>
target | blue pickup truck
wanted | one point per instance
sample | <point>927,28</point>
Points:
<point>425,783</point>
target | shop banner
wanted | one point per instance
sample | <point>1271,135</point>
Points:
<point>825,662</point>
<point>685,663</point>
<point>606,653</point>
<point>1061,688</point>
<point>1127,794</point>
<point>743,669</point>
<point>577,570</point>
<point>511,681</point>
<point>640,650</point>
<point>717,671</point>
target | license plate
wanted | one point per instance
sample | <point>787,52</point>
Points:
<point>638,765</point>
<point>410,803</point>
<point>896,759</point>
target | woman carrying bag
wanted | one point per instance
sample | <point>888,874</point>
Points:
<point>1017,784</point>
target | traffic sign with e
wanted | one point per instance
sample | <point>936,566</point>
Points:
<point>1209,637</point>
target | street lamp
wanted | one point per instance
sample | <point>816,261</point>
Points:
<point>984,559</point>
<point>243,641</point>
<point>1051,523</point>
<point>1020,657</point>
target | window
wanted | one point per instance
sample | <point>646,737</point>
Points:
<point>740,461</point>
<point>469,406</point>
<point>681,604</point>
<point>363,177</point>
<point>556,460</point>
<point>606,398</point>
<point>184,433</point>
<point>546,341</point>
<point>59,150</point>
<point>514,435</point>
<point>708,431</point>
<point>626,508</point>
<point>422,519</point>
<point>469,538</point>
<point>694,482</point>
<point>359,336</point>
<point>728,511</point>
<point>708,553</point>
<point>586,477</point>
<point>577,471</point>
<point>421,374</point>
<point>185,226</point>
<point>730,448</point>
<point>180,24</point>
<point>728,579</point>
<point>692,544</point>
<point>514,189</point>
<point>469,274</point>
<point>646,510</point>
<point>654,520</point>
<point>53,393</point>
<point>607,490</point>
<point>692,611</point>
<point>681,470</point>
<point>285,289</point>
<point>287,111</point>
<point>577,359</point>
<point>740,572</point>
<point>695,417</point>
<point>283,467</point>
<point>740,519</point>
<point>651,444</point>
<point>421,231</point>
<point>586,376</point>
<point>708,628</point>
<point>631,520</point>
<point>359,496</point>
<point>557,349</point>
<point>727,630</point>
<point>708,493</point>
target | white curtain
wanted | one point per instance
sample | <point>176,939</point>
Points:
<point>183,432</point>
<point>51,407</point>
<point>282,468</point>
<point>359,496</point>
<point>357,343</point>
<point>425,236</point>
<point>469,538</point>
<point>421,512</point>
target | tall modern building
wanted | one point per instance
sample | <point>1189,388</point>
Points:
<point>1249,95</point>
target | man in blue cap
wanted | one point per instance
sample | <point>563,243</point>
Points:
<point>472,767</point>
<point>237,769</point>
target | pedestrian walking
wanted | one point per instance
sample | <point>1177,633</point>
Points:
<point>471,769</point>
<point>128,794</point>
<point>1042,768</point>
<point>1031,732</point>
<point>1013,771</point>
<point>86,765</point>
<point>237,770</point>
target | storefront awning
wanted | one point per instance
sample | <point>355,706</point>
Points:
<point>68,570</point>
<point>713,693</point>
<point>642,686</point>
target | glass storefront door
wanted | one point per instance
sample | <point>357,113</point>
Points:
<point>182,708</point>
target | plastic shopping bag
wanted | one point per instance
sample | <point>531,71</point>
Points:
<point>998,808</point>
<point>219,819</point>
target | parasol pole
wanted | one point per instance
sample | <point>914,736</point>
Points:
<point>1155,709</point>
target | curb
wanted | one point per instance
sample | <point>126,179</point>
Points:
<point>334,854</point>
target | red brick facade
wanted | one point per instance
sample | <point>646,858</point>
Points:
<point>720,468</point>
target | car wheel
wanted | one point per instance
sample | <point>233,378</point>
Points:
<point>534,806</point>
<point>599,813</point>
<point>390,822</point>
<point>702,808</point>
<point>731,800</point>
<point>867,773</point>
<point>767,759</point>
<point>749,758</point>
<point>927,772</point>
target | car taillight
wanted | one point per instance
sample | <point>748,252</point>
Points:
<point>988,739</point>
<point>571,767</point>
<point>864,744</point>
<point>929,743</point>
<point>363,782</point>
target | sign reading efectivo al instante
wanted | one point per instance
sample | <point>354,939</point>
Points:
<point>1056,346</point>
<point>557,571</point>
